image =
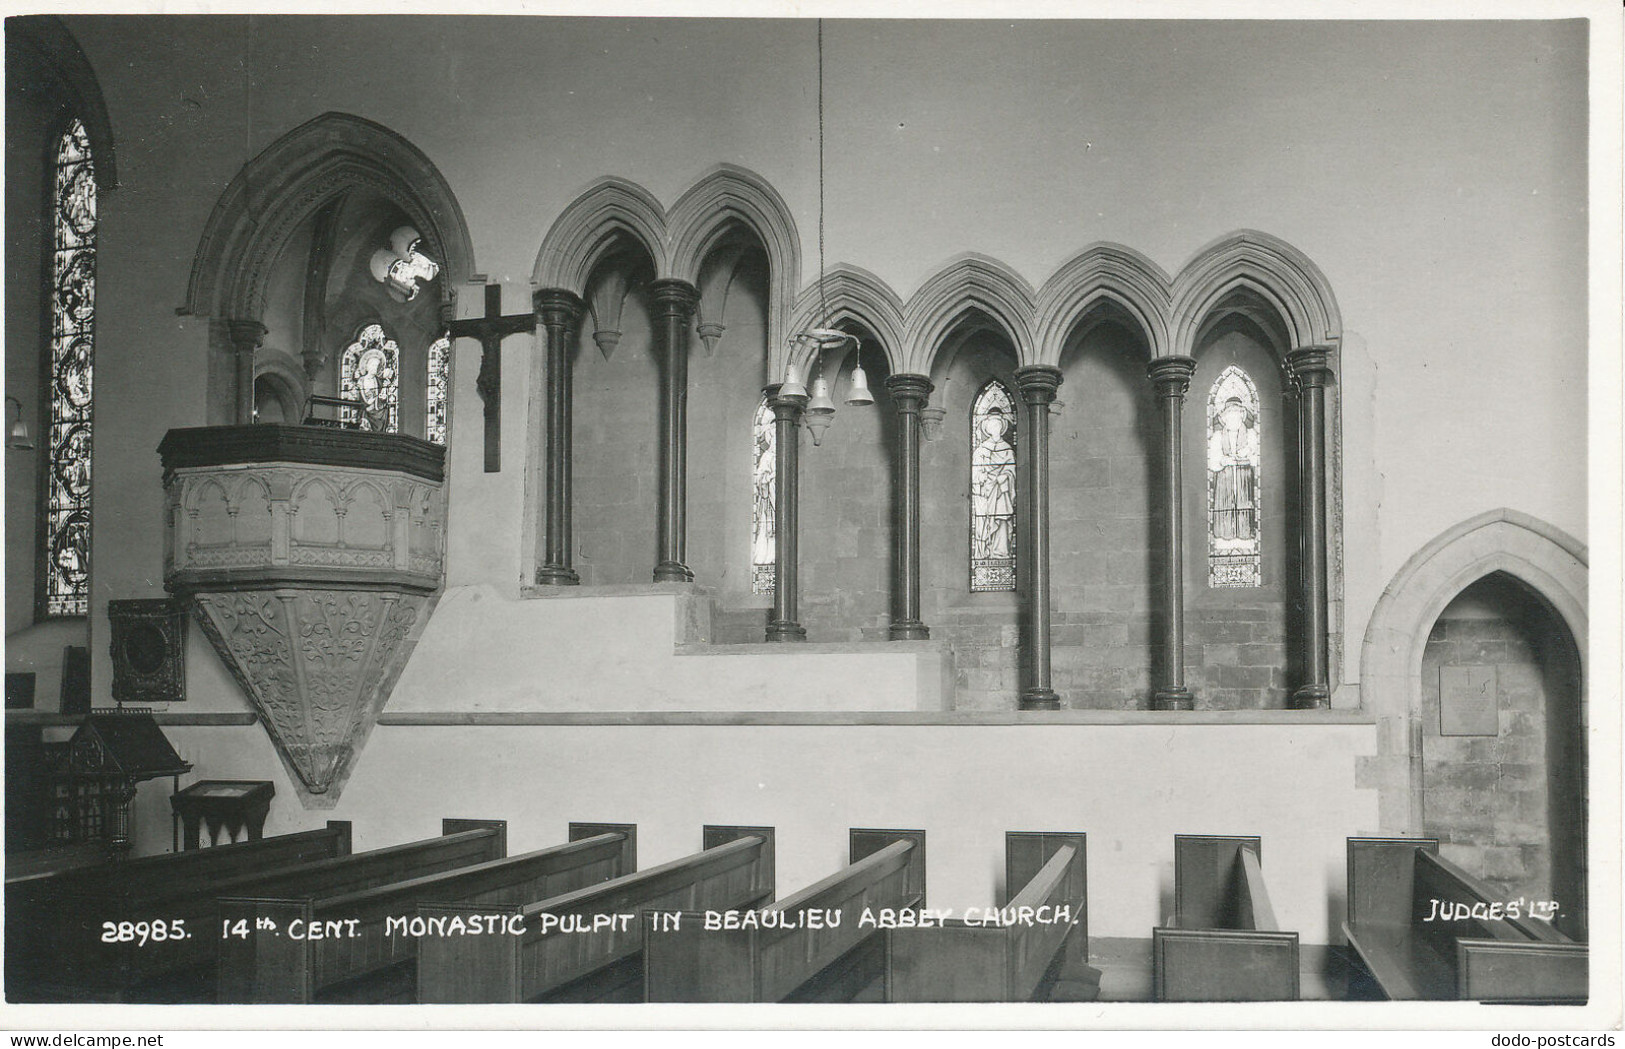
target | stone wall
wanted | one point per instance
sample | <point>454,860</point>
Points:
<point>1486,797</point>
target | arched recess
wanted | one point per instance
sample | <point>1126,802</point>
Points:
<point>1103,273</point>
<point>852,296</point>
<point>290,192</point>
<point>729,195</point>
<point>1254,283</point>
<point>594,226</point>
<point>969,282</point>
<point>1280,274</point>
<point>1547,560</point>
<point>294,177</point>
<point>278,391</point>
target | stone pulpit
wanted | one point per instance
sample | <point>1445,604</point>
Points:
<point>311,557</point>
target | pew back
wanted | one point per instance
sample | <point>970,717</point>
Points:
<point>55,924</point>
<point>160,971</point>
<point>809,946</point>
<point>348,946</point>
<point>1004,961</point>
<point>568,952</point>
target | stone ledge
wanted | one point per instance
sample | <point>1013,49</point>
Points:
<point>49,718</point>
<point>810,648</point>
<point>944,718</point>
<point>540,592</point>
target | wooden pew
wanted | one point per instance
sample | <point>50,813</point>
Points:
<point>1413,955</point>
<point>1224,944</point>
<point>49,914</point>
<point>356,947</point>
<point>808,947</point>
<point>556,961</point>
<point>182,969</point>
<point>971,960</point>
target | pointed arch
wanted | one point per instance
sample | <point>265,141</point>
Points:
<point>1100,273</point>
<point>855,295</point>
<point>589,227</point>
<point>1270,268</point>
<point>970,281</point>
<point>293,178</point>
<point>1548,560</point>
<point>730,194</point>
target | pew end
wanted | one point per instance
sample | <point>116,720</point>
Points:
<point>1224,944</point>
<point>964,961</point>
<point>1532,973</point>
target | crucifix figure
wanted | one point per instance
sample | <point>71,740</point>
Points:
<point>490,331</point>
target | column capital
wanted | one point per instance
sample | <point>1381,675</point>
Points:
<point>245,335</point>
<point>557,306</point>
<point>784,407</point>
<point>1171,375</point>
<point>1038,383</point>
<point>908,390</point>
<point>1311,365</point>
<point>674,297</point>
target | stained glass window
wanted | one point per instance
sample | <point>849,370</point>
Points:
<point>993,489</point>
<point>437,388</point>
<point>369,372</point>
<point>764,519</point>
<point>1234,495</point>
<point>73,318</point>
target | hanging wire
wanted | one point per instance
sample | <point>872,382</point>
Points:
<point>823,303</point>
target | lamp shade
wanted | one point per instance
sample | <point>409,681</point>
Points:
<point>859,395</point>
<point>820,403</point>
<point>792,384</point>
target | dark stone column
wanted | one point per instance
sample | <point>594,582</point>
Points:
<point>1171,377</point>
<point>908,394</point>
<point>558,312</point>
<point>246,337</point>
<point>1038,383</point>
<point>1312,371</point>
<point>783,625</point>
<point>673,302</point>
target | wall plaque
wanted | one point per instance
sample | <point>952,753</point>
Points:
<point>1468,701</point>
<point>149,650</point>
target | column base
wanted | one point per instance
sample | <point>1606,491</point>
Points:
<point>673,572</point>
<point>909,630</point>
<point>557,575</point>
<point>785,630</point>
<point>1040,699</point>
<point>1312,697</point>
<point>1172,699</point>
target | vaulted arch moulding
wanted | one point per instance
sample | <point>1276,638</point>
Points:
<point>598,223</point>
<point>969,282</point>
<point>852,295</point>
<point>1104,273</point>
<point>1280,274</point>
<point>296,175</point>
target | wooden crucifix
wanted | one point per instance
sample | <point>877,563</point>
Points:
<point>490,330</point>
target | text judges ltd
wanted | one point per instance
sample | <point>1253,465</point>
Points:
<point>420,925</point>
